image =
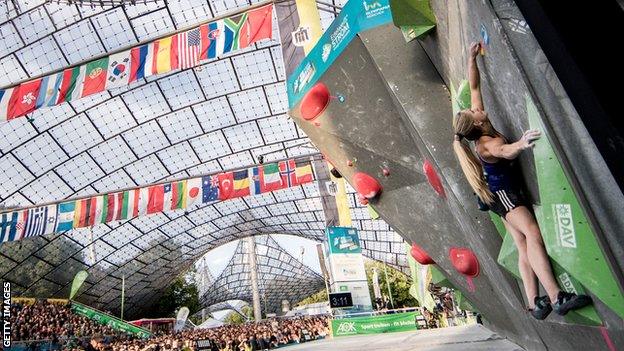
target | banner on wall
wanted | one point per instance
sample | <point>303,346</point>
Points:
<point>386,323</point>
<point>62,216</point>
<point>106,319</point>
<point>179,51</point>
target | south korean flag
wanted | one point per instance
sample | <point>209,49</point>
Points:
<point>118,70</point>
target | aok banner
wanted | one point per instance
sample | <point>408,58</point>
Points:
<point>386,323</point>
<point>114,323</point>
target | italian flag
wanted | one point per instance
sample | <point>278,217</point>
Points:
<point>272,179</point>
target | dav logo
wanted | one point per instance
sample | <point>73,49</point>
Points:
<point>566,283</point>
<point>346,328</point>
<point>564,225</point>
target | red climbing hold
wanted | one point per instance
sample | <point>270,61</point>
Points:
<point>420,255</point>
<point>314,102</point>
<point>464,261</point>
<point>362,200</point>
<point>433,179</point>
<point>366,185</point>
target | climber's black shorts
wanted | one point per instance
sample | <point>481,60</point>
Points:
<point>505,201</point>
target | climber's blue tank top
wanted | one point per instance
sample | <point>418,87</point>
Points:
<point>499,175</point>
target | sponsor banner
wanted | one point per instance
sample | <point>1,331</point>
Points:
<point>347,267</point>
<point>360,294</point>
<point>355,17</point>
<point>112,322</point>
<point>343,240</point>
<point>386,323</point>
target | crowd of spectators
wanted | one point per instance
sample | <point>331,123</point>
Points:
<point>265,335</point>
<point>43,320</point>
<point>43,325</point>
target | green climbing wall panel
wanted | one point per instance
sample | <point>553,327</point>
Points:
<point>569,239</point>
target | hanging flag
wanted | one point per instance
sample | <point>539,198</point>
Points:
<point>5,97</point>
<point>130,204</point>
<point>304,174</point>
<point>259,25</point>
<point>189,46</point>
<point>226,185</point>
<point>272,179</point>
<point>8,226</point>
<point>24,99</point>
<point>141,61</point>
<point>232,30</point>
<point>71,85</point>
<point>156,197</point>
<point>165,54</point>
<point>48,93</point>
<point>216,39</point>
<point>81,213</point>
<point>178,195</point>
<point>255,180</point>
<point>65,216</point>
<point>40,221</point>
<point>95,77</point>
<point>194,191</point>
<point>212,188</point>
<point>118,74</point>
<point>114,205</point>
<point>142,202</point>
<point>287,172</point>
<point>241,183</point>
<point>98,204</point>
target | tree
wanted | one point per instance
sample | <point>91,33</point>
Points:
<point>182,292</point>
<point>320,296</point>
<point>235,317</point>
<point>399,284</point>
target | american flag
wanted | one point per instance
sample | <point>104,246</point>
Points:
<point>189,46</point>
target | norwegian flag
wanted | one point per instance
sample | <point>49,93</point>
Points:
<point>189,48</point>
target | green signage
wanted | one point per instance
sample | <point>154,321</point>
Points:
<point>343,240</point>
<point>102,318</point>
<point>386,323</point>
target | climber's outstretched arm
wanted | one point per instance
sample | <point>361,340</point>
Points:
<point>474,79</point>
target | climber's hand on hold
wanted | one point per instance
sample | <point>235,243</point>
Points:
<point>528,139</point>
<point>474,49</point>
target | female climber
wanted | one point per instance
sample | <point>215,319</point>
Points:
<point>491,177</point>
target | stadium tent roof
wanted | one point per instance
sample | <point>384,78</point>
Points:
<point>280,277</point>
<point>220,115</point>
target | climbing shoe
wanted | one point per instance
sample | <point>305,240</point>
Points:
<point>542,308</point>
<point>568,301</point>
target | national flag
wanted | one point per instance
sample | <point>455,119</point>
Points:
<point>258,26</point>
<point>232,30</point>
<point>40,221</point>
<point>141,61</point>
<point>65,216</point>
<point>179,195</point>
<point>24,99</point>
<point>49,90</point>
<point>211,188</point>
<point>118,73</point>
<point>287,172</point>
<point>271,177</point>
<point>226,185</point>
<point>304,174</point>
<point>143,201</point>
<point>195,192</point>
<point>114,207</point>
<point>8,226</point>
<point>98,204</point>
<point>255,180</point>
<point>215,38</point>
<point>82,212</point>
<point>95,77</point>
<point>165,54</point>
<point>5,97</point>
<point>71,85</point>
<point>241,183</point>
<point>156,198</point>
<point>189,46</point>
<point>130,204</point>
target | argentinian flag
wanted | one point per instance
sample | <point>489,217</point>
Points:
<point>48,92</point>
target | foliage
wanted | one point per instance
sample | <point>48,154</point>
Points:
<point>182,292</point>
<point>320,296</point>
<point>236,318</point>
<point>399,284</point>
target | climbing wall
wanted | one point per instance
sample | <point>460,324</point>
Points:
<point>381,114</point>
